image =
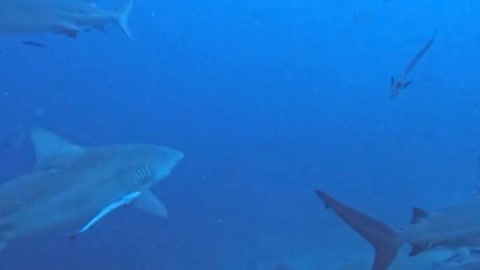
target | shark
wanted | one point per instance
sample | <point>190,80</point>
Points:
<point>397,85</point>
<point>465,260</point>
<point>453,228</point>
<point>65,17</point>
<point>71,184</point>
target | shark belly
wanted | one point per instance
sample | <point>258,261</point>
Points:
<point>52,215</point>
<point>65,205</point>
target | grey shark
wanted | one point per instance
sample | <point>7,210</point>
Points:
<point>456,227</point>
<point>66,17</point>
<point>397,85</point>
<point>73,184</point>
<point>463,260</point>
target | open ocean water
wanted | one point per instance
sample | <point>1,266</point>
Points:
<point>268,100</point>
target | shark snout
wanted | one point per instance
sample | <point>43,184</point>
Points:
<point>172,155</point>
<point>179,155</point>
<point>168,160</point>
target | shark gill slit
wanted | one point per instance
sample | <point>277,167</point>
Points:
<point>143,173</point>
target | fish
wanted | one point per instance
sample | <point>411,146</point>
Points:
<point>34,44</point>
<point>396,86</point>
<point>64,17</point>
<point>72,184</point>
<point>453,228</point>
<point>463,260</point>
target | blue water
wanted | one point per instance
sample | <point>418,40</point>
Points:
<point>268,100</point>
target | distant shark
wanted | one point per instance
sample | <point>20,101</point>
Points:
<point>454,228</point>
<point>397,85</point>
<point>66,17</point>
<point>464,260</point>
<point>71,183</point>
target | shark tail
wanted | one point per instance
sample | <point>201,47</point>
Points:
<point>123,17</point>
<point>397,86</point>
<point>384,239</point>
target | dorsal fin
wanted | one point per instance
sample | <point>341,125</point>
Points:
<point>418,215</point>
<point>50,148</point>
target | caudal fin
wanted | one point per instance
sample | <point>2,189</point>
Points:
<point>123,17</point>
<point>383,238</point>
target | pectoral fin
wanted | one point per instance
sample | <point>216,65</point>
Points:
<point>125,200</point>
<point>148,202</point>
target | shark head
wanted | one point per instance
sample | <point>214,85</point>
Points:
<point>150,163</point>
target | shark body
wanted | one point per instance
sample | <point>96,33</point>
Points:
<point>71,183</point>
<point>66,17</point>
<point>454,228</point>
<point>397,85</point>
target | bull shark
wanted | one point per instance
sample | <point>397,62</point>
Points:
<point>71,183</point>
<point>397,85</point>
<point>66,17</point>
<point>453,228</point>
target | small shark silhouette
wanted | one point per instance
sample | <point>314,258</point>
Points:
<point>65,17</point>
<point>402,82</point>
<point>34,44</point>
<point>463,260</point>
<point>454,228</point>
<point>71,183</point>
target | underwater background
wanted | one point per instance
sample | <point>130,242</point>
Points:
<point>268,100</point>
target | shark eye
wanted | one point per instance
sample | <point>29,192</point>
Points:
<point>143,174</point>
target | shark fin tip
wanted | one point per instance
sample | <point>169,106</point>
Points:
<point>418,248</point>
<point>418,214</point>
<point>123,18</point>
<point>149,203</point>
<point>322,196</point>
